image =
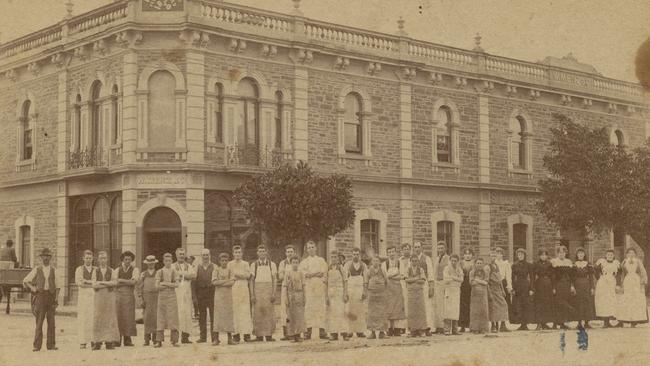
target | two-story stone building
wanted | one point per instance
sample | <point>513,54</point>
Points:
<point>129,127</point>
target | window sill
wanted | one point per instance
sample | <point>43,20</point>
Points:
<point>161,150</point>
<point>520,172</point>
<point>354,157</point>
<point>446,166</point>
<point>26,163</point>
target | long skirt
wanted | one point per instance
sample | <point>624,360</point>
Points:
<point>125,299</point>
<point>507,296</point>
<point>105,317</point>
<point>85,310</point>
<point>185,306</point>
<point>583,301</point>
<point>315,303</point>
<point>479,320</point>
<point>167,311</point>
<point>296,313</point>
<point>241,302</point>
<point>394,301</point>
<point>465,299</point>
<point>438,304</point>
<point>428,305</point>
<point>417,314</point>
<point>497,302</point>
<point>403,323</point>
<point>564,311</point>
<point>376,316</point>
<point>451,304</point>
<point>523,308</point>
<point>356,309</point>
<point>223,311</point>
<point>605,299</point>
<point>336,321</point>
<point>543,298</point>
<point>632,305</point>
<point>150,302</point>
<point>263,310</point>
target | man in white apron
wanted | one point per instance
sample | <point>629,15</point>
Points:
<point>186,273</point>
<point>442,261</point>
<point>405,263</point>
<point>263,295</point>
<point>428,286</point>
<point>83,278</point>
<point>285,264</point>
<point>315,270</point>
<point>355,272</point>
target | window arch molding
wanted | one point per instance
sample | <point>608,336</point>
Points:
<point>179,97</point>
<point>453,128</point>
<point>231,99</point>
<point>527,220</point>
<point>366,113</point>
<point>371,214</point>
<point>523,119</point>
<point>446,215</point>
<point>24,220</point>
<point>617,136</point>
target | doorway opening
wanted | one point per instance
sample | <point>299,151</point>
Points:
<point>163,232</point>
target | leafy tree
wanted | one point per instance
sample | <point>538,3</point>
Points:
<point>594,185</point>
<point>293,204</point>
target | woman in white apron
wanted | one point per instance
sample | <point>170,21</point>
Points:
<point>607,269</point>
<point>632,307</point>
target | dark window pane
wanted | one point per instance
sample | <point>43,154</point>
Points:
<point>443,146</point>
<point>446,234</point>
<point>25,246</point>
<point>519,232</point>
<point>352,138</point>
<point>370,236</point>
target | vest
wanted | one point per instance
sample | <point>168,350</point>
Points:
<point>204,276</point>
<point>39,280</point>
<point>125,275</point>
<point>88,276</point>
<point>355,272</point>
<point>100,277</point>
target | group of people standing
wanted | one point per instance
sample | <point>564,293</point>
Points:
<point>409,291</point>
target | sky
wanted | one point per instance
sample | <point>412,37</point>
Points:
<point>603,33</point>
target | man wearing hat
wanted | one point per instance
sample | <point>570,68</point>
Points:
<point>149,294</point>
<point>127,277</point>
<point>44,287</point>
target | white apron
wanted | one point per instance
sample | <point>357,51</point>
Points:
<point>356,308</point>
<point>85,309</point>
<point>605,292</point>
<point>632,305</point>
<point>336,321</point>
<point>315,293</point>
<point>241,301</point>
<point>185,306</point>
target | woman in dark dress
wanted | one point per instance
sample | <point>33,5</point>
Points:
<point>563,288</point>
<point>583,283</point>
<point>543,291</point>
<point>467,264</point>
<point>522,278</point>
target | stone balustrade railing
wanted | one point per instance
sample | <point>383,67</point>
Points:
<point>226,13</point>
<point>98,17</point>
<point>247,20</point>
<point>320,31</point>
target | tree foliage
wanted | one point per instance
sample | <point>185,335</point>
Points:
<point>595,185</point>
<point>293,204</point>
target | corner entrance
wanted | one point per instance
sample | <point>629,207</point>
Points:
<point>163,232</point>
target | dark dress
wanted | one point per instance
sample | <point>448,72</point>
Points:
<point>562,279</point>
<point>465,294</point>
<point>543,287</point>
<point>523,310</point>
<point>583,282</point>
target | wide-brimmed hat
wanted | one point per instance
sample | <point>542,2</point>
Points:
<point>45,252</point>
<point>150,259</point>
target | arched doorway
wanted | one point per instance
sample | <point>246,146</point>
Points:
<point>162,231</point>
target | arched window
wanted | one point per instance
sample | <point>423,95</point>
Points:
<point>279,110</point>
<point>247,125</point>
<point>81,232</point>
<point>27,147</point>
<point>620,140</point>
<point>95,114</point>
<point>101,233</point>
<point>444,135</point>
<point>519,144</point>
<point>114,116</point>
<point>116,229</point>
<point>218,114</point>
<point>519,238</point>
<point>446,234</point>
<point>77,124</point>
<point>162,115</point>
<point>353,124</point>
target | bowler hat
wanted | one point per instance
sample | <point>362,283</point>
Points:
<point>45,252</point>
